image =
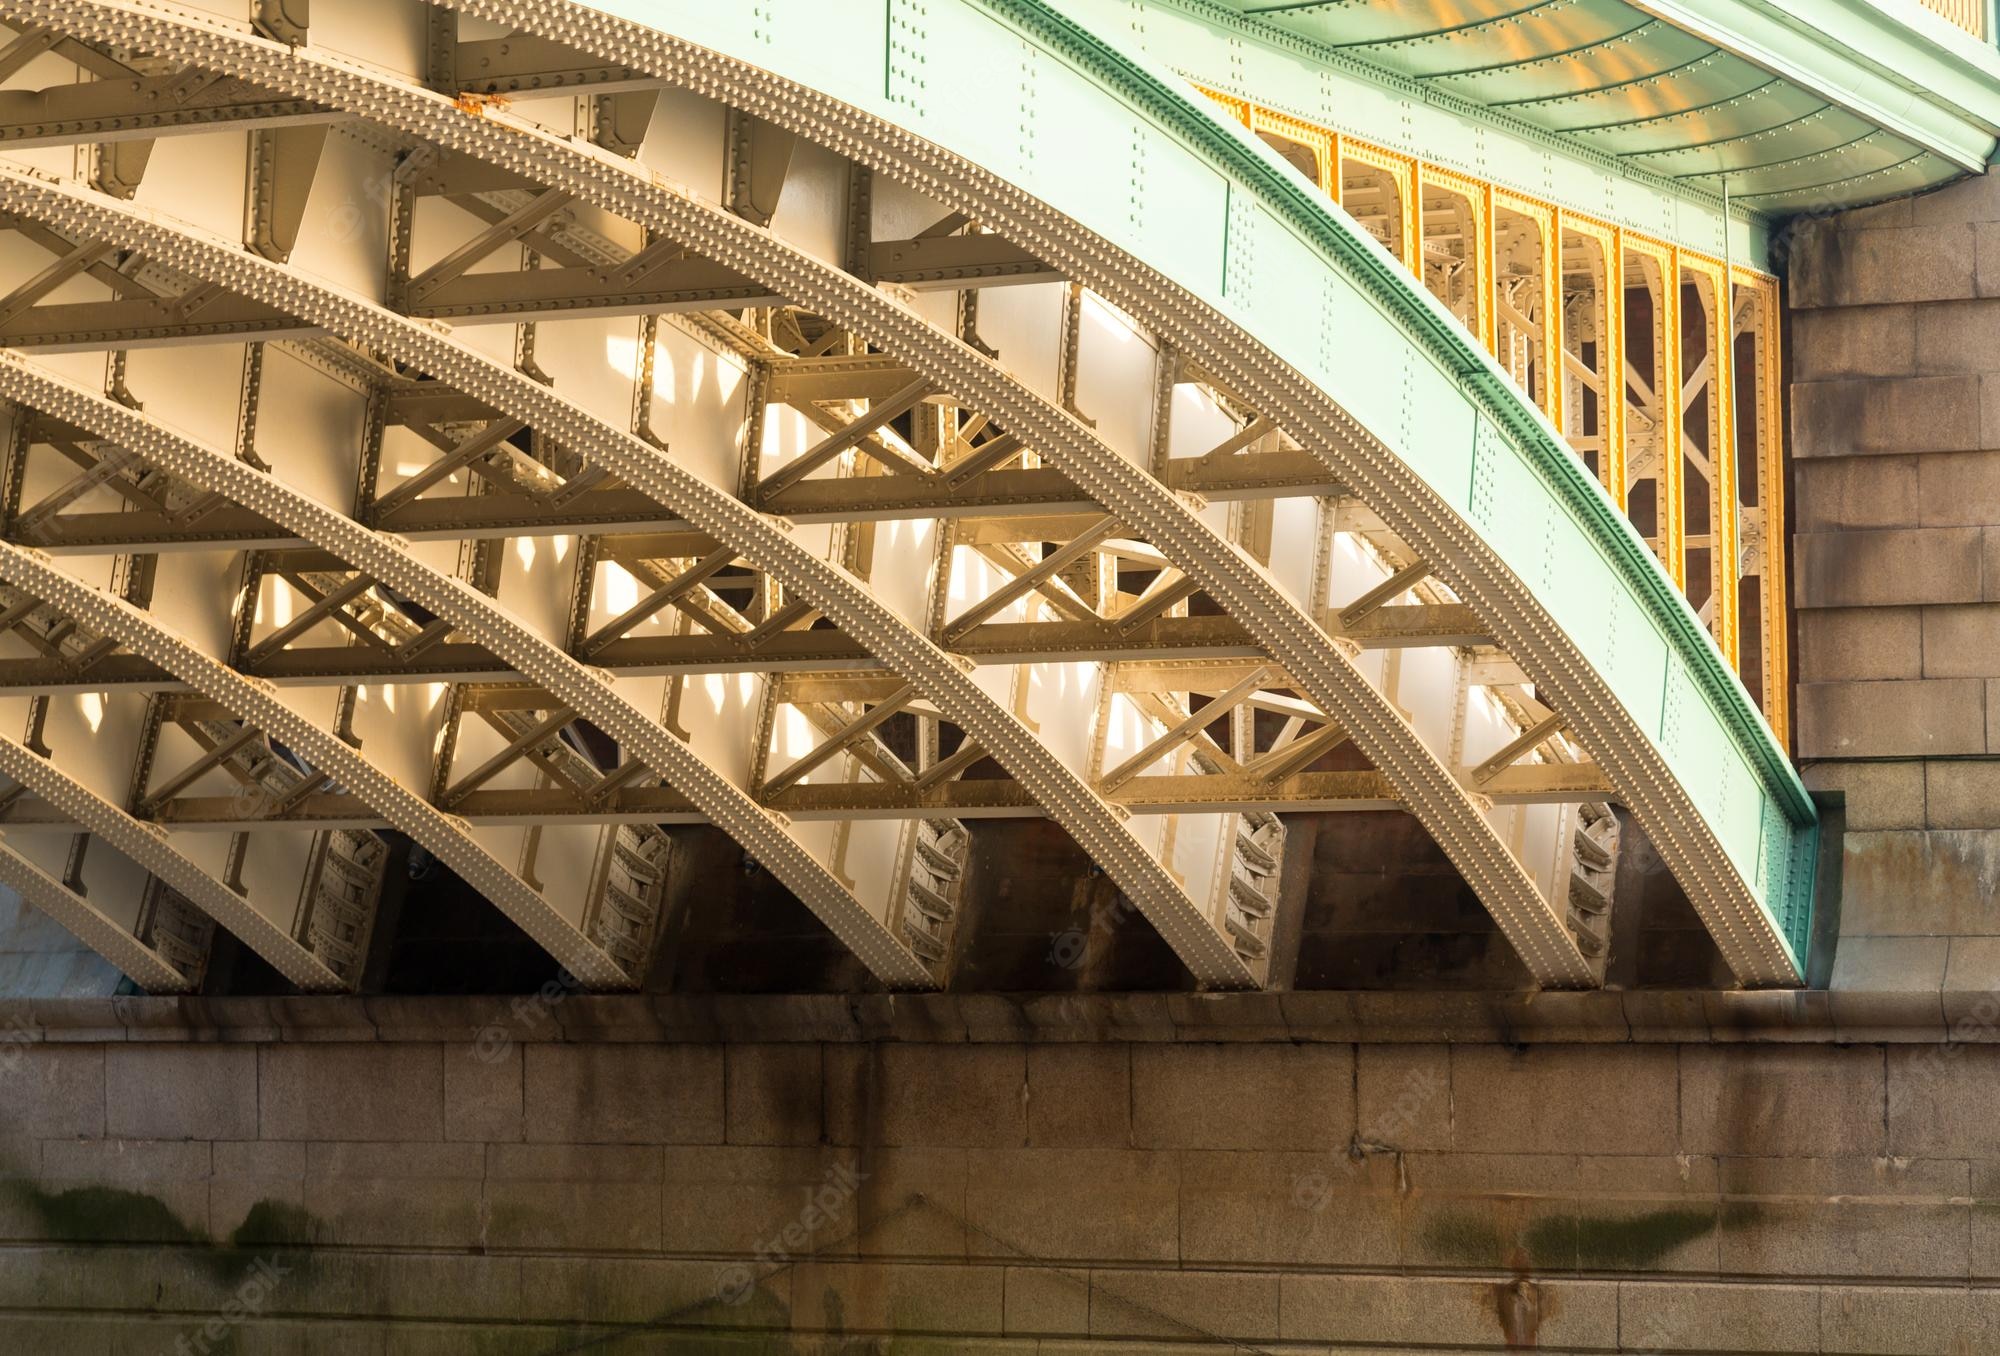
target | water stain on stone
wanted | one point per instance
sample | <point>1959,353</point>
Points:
<point>1519,1305</point>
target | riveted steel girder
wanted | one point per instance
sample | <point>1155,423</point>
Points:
<point>1095,824</point>
<point>1493,883</point>
<point>250,701</point>
<point>1689,843</point>
<point>527,654</point>
<point>147,845</point>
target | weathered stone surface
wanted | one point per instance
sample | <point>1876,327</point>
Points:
<point>774,1094</point>
<point>389,1195</point>
<point>1136,1219</point>
<point>897,1296</point>
<point>1184,1305</point>
<point>483,1092</point>
<point>181,1092</point>
<point>53,1091</point>
<point>1431,1312</point>
<point>1886,1238</point>
<point>1879,795</point>
<point>1859,644</point>
<point>1403,1096</point>
<point>1955,336</point>
<point>1079,1096</point>
<point>1242,1096</point>
<point>1820,1100</point>
<point>1871,341</point>
<point>1880,264</point>
<point>1954,489</point>
<point>912,1203</point>
<point>1962,794</point>
<point>624,1094</point>
<point>968,1096</point>
<point>1943,1107</point>
<point>1971,994</point>
<point>1527,1102</point>
<point>1888,984</point>
<point>117,1191</point>
<point>1047,1301</point>
<point>1959,642</point>
<point>1926,717</point>
<point>1889,567</point>
<point>1280,1209</point>
<point>794,1200</point>
<point>560,1196</point>
<point>362,1092</point>
<point>1924,1321</point>
<point>1690,1317</point>
<point>1888,415</point>
<point>1960,892</point>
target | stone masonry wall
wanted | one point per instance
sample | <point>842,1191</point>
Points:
<point>1895,365</point>
<point>1600,1173</point>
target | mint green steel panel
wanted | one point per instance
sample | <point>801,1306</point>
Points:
<point>1634,659</point>
<point>1121,120</point>
<point>1573,555</point>
<point>1267,262</point>
<point>1438,426</point>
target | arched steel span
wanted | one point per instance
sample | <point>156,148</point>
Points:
<point>138,632</point>
<point>1376,471</point>
<point>1093,822</point>
<point>1444,805</point>
<point>538,661</point>
<point>147,845</point>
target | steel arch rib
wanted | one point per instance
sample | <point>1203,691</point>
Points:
<point>1448,810</point>
<point>1096,826</point>
<point>87,923</point>
<point>147,845</point>
<point>537,660</point>
<point>1746,936</point>
<point>249,701</point>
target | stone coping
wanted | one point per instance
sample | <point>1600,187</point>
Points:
<point>1600,1017</point>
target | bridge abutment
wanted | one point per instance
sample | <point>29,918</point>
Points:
<point>1896,438</point>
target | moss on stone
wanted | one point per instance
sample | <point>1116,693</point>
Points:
<point>101,1214</point>
<point>274,1222</point>
<point>1634,1242</point>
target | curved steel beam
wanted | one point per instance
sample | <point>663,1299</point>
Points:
<point>1516,617</point>
<point>87,923</point>
<point>1098,827</point>
<point>147,845</point>
<point>1452,814</point>
<point>138,632</point>
<point>581,688</point>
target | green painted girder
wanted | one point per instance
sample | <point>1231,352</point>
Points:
<point>1074,117</point>
<point>1335,89</point>
<point>1749,88</point>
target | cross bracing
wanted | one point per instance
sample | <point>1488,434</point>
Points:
<point>840,531</point>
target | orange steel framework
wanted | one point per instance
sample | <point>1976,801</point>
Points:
<point>1667,390</point>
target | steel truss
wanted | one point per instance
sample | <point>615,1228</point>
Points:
<point>1236,698</point>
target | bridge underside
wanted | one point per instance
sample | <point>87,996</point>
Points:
<point>644,518</point>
